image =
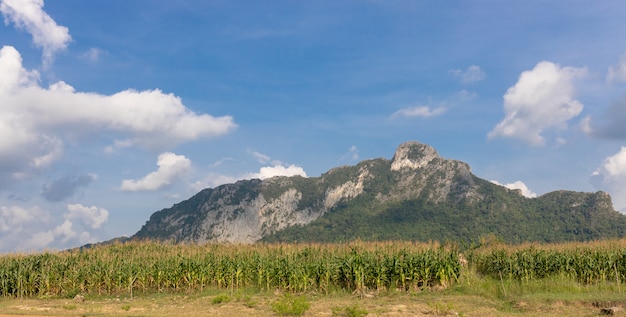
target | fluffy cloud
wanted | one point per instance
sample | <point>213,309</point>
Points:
<point>14,218</point>
<point>278,170</point>
<point>65,186</point>
<point>542,98</point>
<point>92,216</point>
<point>29,16</point>
<point>172,167</point>
<point>470,75</point>
<point>419,111</point>
<point>610,176</point>
<point>41,120</point>
<point>32,228</point>
<point>518,185</point>
<point>618,72</point>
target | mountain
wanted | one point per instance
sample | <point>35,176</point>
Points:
<point>417,195</point>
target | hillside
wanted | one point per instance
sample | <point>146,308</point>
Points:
<point>417,195</point>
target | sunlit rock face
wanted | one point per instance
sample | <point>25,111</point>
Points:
<point>413,155</point>
<point>251,210</point>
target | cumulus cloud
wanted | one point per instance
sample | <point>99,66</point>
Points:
<point>542,98</point>
<point>30,16</point>
<point>33,228</point>
<point>66,186</point>
<point>610,176</point>
<point>518,185</point>
<point>278,170</point>
<point>419,111</point>
<point>41,120</point>
<point>15,218</point>
<point>617,72</point>
<point>172,167</point>
<point>92,216</point>
<point>470,75</point>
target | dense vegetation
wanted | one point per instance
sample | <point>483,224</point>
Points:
<point>555,217</point>
<point>146,267</point>
<point>154,267</point>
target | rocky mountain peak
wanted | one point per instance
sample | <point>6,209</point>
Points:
<point>418,195</point>
<point>412,155</point>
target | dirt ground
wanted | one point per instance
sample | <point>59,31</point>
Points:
<point>326,305</point>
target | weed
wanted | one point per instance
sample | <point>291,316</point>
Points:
<point>291,305</point>
<point>221,298</point>
<point>350,311</point>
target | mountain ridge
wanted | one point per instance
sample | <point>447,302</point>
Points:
<point>417,195</point>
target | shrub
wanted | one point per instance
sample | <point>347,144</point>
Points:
<point>290,305</point>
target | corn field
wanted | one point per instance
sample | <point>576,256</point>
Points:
<point>585,263</point>
<point>147,267</point>
<point>141,267</point>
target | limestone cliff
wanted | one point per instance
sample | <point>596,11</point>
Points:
<point>417,188</point>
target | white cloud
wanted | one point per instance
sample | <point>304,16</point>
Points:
<point>14,218</point>
<point>278,170</point>
<point>617,73</point>
<point>353,153</point>
<point>470,75</point>
<point>93,54</point>
<point>260,157</point>
<point>40,120</point>
<point>172,167</point>
<point>29,15</point>
<point>518,185</point>
<point>542,98</point>
<point>419,111</point>
<point>219,163</point>
<point>33,228</point>
<point>92,216</point>
<point>213,180</point>
<point>610,176</point>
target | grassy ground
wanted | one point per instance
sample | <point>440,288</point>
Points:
<point>471,296</point>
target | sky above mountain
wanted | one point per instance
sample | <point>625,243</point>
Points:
<point>112,110</point>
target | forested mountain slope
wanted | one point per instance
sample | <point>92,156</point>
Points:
<point>417,195</point>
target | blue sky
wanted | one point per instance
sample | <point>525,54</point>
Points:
<point>112,110</point>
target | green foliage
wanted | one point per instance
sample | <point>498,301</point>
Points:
<point>583,264</point>
<point>221,298</point>
<point>350,311</point>
<point>555,217</point>
<point>151,267</point>
<point>290,305</point>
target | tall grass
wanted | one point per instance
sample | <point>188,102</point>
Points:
<point>154,267</point>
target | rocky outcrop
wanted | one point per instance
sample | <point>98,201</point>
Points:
<point>249,210</point>
<point>412,155</point>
